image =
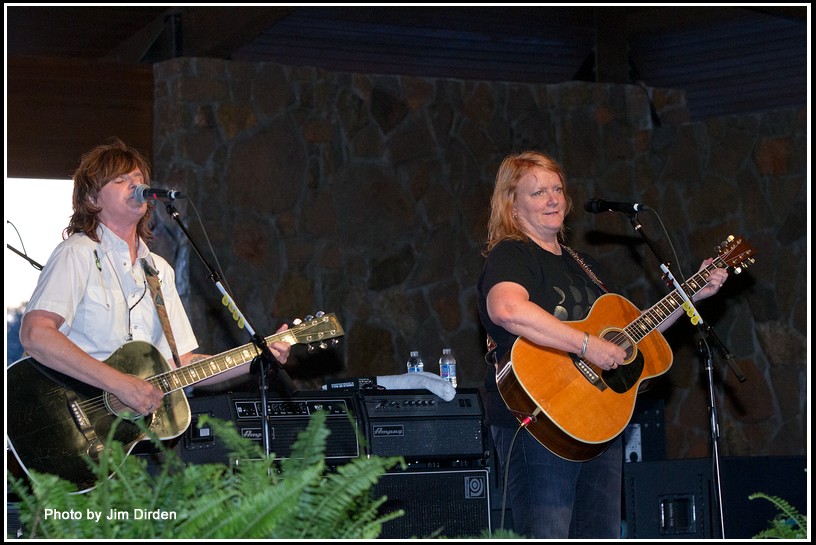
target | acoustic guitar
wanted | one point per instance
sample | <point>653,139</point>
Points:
<point>573,407</point>
<point>56,423</point>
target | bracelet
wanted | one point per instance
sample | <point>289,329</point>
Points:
<point>584,345</point>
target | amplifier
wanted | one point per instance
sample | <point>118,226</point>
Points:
<point>421,427</point>
<point>287,418</point>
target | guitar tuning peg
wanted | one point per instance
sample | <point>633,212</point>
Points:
<point>323,345</point>
<point>320,314</point>
<point>310,348</point>
<point>308,318</point>
<point>297,321</point>
<point>335,342</point>
<point>737,270</point>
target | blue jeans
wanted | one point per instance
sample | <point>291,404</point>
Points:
<point>552,498</point>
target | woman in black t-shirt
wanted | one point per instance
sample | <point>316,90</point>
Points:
<point>530,285</point>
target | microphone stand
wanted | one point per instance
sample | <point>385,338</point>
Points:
<point>705,355</point>
<point>21,254</point>
<point>706,330</point>
<point>264,362</point>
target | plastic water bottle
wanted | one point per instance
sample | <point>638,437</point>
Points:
<point>415,363</point>
<point>447,366</point>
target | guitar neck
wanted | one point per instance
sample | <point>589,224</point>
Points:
<point>660,312</point>
<point>214,365</point>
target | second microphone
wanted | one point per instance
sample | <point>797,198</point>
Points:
<point>599,205</point>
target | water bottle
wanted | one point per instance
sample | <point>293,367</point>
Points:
<point>415,363</point>
<point>447,366</point>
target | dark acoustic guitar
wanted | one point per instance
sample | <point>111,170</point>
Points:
<point>55,422</point>
<point>576,409</point>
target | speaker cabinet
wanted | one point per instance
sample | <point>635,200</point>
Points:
<point>450,504</point>
<point>785,477</point>
<point>645,438</point>
<point>668,500</point>
<point>14,528</point>
<point>676,499</point>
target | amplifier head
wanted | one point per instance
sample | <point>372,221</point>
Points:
<point>421,427</point>
<point>287,418</point>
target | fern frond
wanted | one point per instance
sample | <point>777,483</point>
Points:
<point>788,524</point>
<point>258,497</point>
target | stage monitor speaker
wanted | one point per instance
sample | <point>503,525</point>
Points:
<point>676,499</point>
<point>287,417</point>
<point>668,500</point>
<point>451,504</point>
<point>421,427</point>
<point>785,477</point>
<point>14,528</point>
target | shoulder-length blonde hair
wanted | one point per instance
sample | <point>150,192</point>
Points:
<point>98,167</point>
<point>502,225</point>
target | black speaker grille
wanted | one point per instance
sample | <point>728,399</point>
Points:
<point>450,504</point>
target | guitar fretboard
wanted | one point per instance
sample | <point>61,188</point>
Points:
<point>215,365</point>
<point>313,331</point>
<point>660,312</point>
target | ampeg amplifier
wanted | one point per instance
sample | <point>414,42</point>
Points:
<point>287,418</point>
<point>422,427</point>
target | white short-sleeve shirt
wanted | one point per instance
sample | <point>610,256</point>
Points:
<point>105,300</point>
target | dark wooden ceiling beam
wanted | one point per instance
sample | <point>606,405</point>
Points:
<point>218,31</point>
<point>611,45</point>
<point>137,46</point>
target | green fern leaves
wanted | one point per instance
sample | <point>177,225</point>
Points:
<point>253,498</point>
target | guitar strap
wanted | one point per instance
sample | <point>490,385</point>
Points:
<point>592,276</point>
<point>152,276</point>
<point>491,357</point>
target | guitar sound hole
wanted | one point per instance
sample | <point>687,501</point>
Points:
<point>620,338</point>
<point>117,408</point>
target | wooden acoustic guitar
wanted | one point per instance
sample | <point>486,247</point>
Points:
<point>576,409</point>
<point>55,422</point>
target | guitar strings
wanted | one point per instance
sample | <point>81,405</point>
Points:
<point>621,337</point>
<point>159,380</point>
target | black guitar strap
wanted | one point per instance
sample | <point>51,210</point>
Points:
<point>152,276</point>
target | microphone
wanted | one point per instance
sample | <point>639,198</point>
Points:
<point>599,205</point>
<point>144,193</point>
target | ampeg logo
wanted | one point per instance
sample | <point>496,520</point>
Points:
<point>394,430</point>
<point>475,487</point>
<point>255,433</point>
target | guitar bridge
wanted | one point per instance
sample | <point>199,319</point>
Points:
<point>95,446</point>
<point>588,373</point>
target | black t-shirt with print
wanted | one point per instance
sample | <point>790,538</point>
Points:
<point>556,283</point>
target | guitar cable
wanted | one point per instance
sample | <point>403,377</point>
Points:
<point>529,419</point>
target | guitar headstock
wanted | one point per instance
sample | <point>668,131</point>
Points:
<point>736,253</point>
<point>315,330</point>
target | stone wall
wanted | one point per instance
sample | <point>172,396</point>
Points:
<point>367,196</point>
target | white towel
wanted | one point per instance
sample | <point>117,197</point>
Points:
<point>419,381</point>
